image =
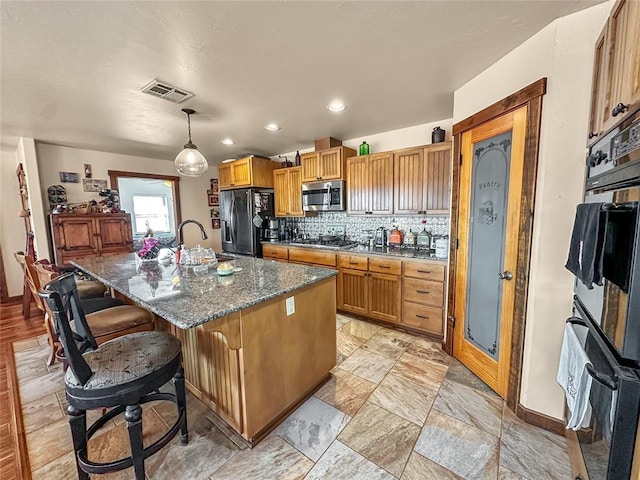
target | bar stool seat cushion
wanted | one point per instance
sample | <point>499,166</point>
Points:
<point>116,319</point>
<point>91,288</point>
<point>124,360</point>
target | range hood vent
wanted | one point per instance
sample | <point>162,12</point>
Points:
<point>166,91</point>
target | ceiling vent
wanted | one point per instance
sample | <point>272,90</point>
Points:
<point>163,90</point>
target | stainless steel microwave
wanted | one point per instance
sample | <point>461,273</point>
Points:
<point>323,196</point>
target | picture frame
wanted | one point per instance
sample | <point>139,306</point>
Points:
<point>214,185</point>
<point>69,177</point>
<point>214,200</point>
<point>93,185</point>
<point>214,212</point>
<point>215,223</point>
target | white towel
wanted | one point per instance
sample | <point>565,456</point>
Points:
<point>573,376</point>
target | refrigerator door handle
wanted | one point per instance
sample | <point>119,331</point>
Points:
<point>231,219</point>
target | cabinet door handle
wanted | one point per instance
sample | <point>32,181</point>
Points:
<point>422,316</point>
<point>618,109</point>
<point>424,271</point>
<point>353,263</point>
<point>422,291</point>
<point>384,266</point>
<point>592,135</point>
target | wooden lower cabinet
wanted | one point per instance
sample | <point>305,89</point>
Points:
<point>384,297</point>
<point>275,252</point>
<point>423,296</point>
<point>353,291</point>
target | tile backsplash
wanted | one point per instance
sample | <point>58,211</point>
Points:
<point>357,227</point>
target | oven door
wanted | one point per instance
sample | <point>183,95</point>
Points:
<point>608,445</point>
<point>615,304</point>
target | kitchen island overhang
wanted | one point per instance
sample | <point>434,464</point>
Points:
<point>249,354</point>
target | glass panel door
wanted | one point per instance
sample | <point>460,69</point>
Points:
<point>487,227</point>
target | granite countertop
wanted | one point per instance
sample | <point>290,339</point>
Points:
<point>364,249</point>
<point>187,300</point>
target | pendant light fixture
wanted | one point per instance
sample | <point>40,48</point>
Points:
<point>190,162</point>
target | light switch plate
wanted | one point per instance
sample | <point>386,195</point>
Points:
<point>291,306</point>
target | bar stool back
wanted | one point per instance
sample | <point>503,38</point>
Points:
<point>120,374</point>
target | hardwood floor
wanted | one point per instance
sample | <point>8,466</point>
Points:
<point>13,327</point>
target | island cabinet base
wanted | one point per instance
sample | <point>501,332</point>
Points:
<point>253,366</point>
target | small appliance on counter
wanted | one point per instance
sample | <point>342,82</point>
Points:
<point>274,229</point>
<point>424,240</point>
<point>381,237</point>
<point>442,246</point>
<point>396,237</point>
<point>410,239</point>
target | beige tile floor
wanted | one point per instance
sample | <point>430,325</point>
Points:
<point>395,407</point>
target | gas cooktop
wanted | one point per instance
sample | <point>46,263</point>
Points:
<point>316,242</point>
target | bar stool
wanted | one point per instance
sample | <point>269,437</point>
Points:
<point>107,317</point>
<point>120,374</point>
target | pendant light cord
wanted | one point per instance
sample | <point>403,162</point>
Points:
<point>189,123</point>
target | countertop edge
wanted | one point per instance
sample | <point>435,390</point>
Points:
<point>219,314</point>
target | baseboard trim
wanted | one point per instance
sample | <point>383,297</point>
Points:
<point>23,469</point>
<point>541,420</point>
<point>14,299</point>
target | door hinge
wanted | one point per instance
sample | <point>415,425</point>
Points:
<point>452,321</point>
<point>457,243</point>
<point>460,159</point>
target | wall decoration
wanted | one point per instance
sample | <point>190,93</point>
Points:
<point>57,194</point>
<point>92,185</point>
<point>69,177</point>
<point>213,183</point>
<point>214,200</point>
<point>215,223</point>
<point>87,170</point>
<point>214,213</point>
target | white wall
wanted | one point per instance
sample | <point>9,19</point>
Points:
<point>53,159</point>
<point>562,52</point>
<point>393,139</point>
<point>12,231</point>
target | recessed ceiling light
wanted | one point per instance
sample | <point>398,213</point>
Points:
<point>272,127</point>
<point>336,107</point>
<point>227,141</point>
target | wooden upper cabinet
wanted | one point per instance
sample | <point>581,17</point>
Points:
<point>310,163</point>
<point>325,164</point>
<point>409,173</point>
<point>421,180</point>
<point>616,76</point>
<point>358,185</point>
<point>437,184</point>
<point>241,172</point>
<point>246,172</point>
<point>381,183</point>
<point>287,185</point>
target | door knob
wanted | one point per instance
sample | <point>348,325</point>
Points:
<point>506,275</point>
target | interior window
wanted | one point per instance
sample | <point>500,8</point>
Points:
<point>153,202</point>
<point>151,212</point>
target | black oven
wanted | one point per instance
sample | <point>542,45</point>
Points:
<point>610,305</point>
<point>607,446</point>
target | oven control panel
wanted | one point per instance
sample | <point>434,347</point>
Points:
<point>626,143</point>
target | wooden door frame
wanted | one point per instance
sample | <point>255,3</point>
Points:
<point>115,174</point>
<point>530,96</point>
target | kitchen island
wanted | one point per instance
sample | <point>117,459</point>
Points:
<point>254,343</point>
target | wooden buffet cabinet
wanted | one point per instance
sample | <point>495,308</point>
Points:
<point>404,292</point>
<point>94,234</point>
<point>246,172</point>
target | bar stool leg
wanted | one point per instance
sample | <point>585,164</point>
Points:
<point>78,424</point>
<point>178,382</point>
<point>133,416</point>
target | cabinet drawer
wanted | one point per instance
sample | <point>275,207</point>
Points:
<point>317,257</point>
<point>383,265</point>
<point>422,317</point>
<point>424,292</point>
<point>272,251</point>
<point>354,262</point>
<point>424,270</point>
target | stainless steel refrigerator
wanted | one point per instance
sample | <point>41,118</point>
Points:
<point>244,216</point>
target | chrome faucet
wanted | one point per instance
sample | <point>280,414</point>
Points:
<point>181,226</point>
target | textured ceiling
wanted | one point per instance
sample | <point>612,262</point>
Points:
<point>72,71</point>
